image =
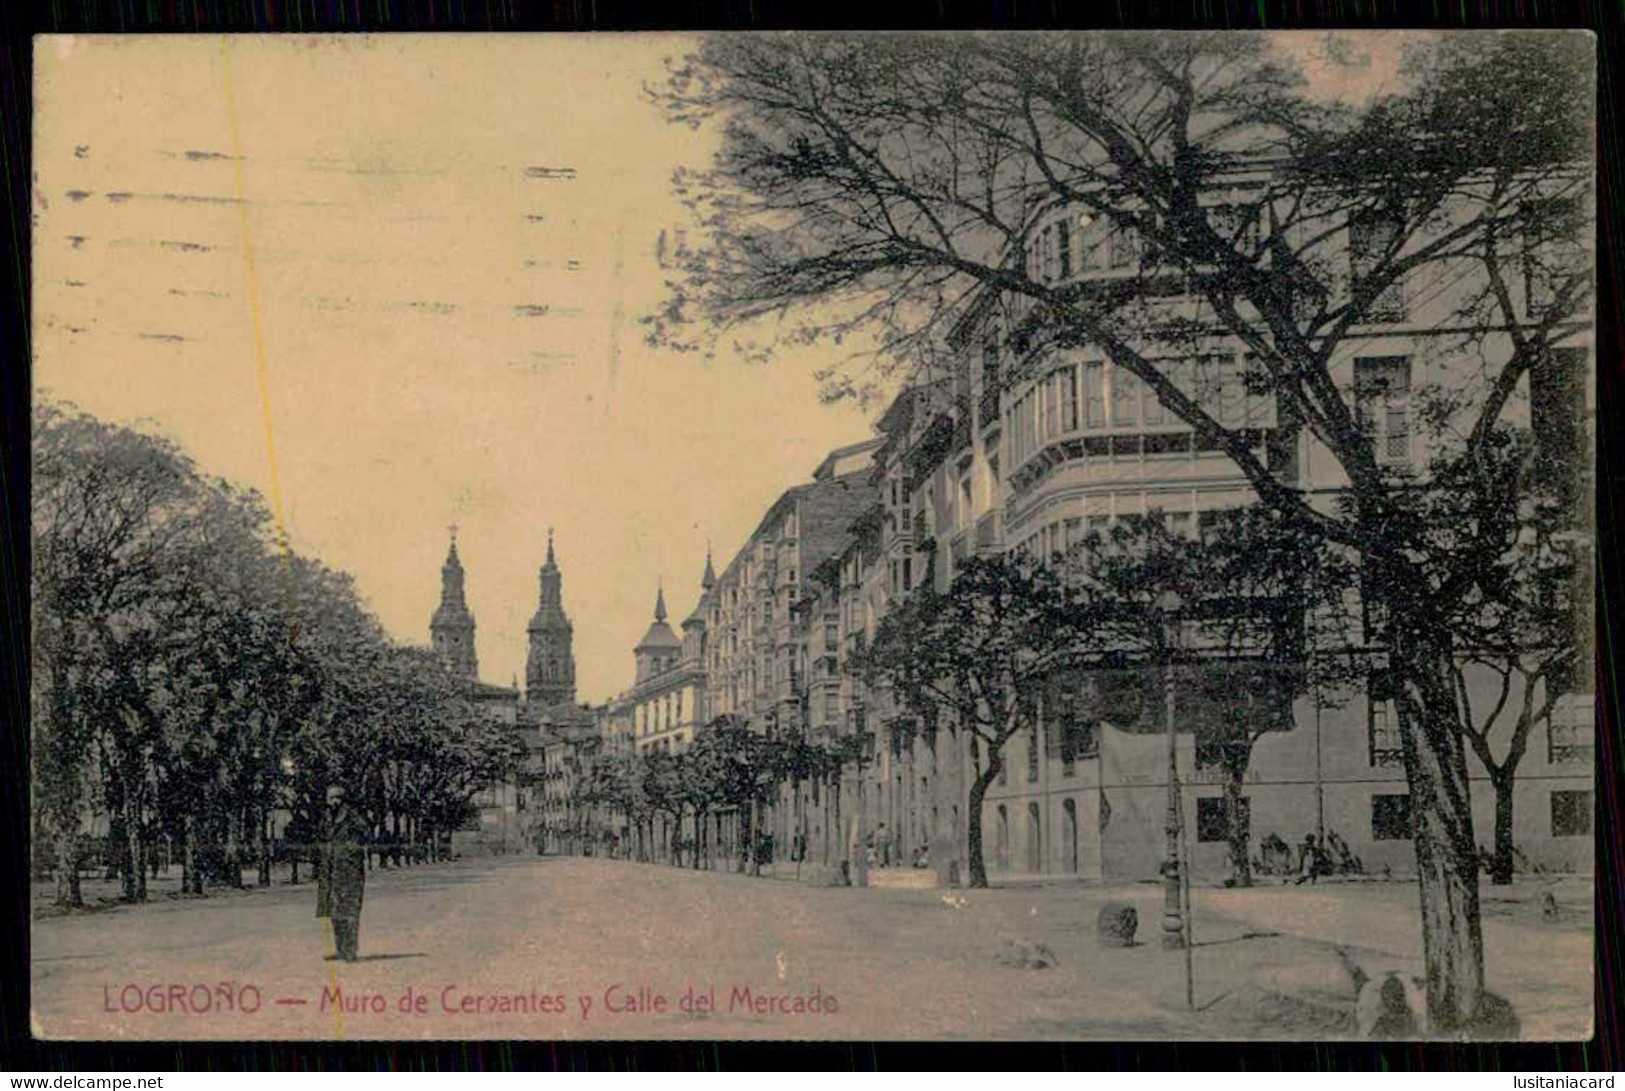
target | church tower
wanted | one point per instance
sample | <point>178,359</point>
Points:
<point>659,648</point>
<point>550,669</point>
<point>452,627</point>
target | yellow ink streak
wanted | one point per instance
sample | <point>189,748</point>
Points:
<point>263,376</point>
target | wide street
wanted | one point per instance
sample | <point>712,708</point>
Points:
<point>522,947</point>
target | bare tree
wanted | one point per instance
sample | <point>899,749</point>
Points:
<point>883,183</point>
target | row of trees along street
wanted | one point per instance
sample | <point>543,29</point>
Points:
<point>730,769</point>
<point>872,186</point>
<point>193,679</point>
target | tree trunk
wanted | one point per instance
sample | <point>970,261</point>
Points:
<point>750,842</point>
<point>135,879</point>
<point>973,820</point>
<point>265,846</point>
<point>1237,827</point>
<point>860,873</point>
<point>115,864</point>
<point>1442,824</point>
<point>69,893</point>
<point>1501,867</point>
<point>191,872</point>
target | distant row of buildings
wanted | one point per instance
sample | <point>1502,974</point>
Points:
<point>1007,451</point>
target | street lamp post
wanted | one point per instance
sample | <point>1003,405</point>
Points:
<point>1173,917</point>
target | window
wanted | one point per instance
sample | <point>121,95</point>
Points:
<point>1571,730</point>
<point>1046,253</point>
<point>1125,398</point>
<point>1382,726</point>
<point>1374,239</point>
<point>1391,818</point>
<point>1094,396</point>
<point>1382,405</point>
<point>1208,391</point>
<point>1063,242</point>
<point>1123,248</point>
<point>1032,752</point>
<point>1069,400</point>
<point>1232,394</point>
<point>1073,533</point>
<point>1212,823</point>
<point>832,707</point>
<point>1052,404</point>
<point>1179,524</point>
<point>1571,814</point>
<point>1151,406</point>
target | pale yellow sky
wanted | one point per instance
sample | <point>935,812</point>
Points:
<point>453,239</point>
<point>403,243</point>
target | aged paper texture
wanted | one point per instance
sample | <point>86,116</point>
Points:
<point>1063,536</point>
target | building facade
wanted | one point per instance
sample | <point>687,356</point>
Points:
<point>1033,450</point>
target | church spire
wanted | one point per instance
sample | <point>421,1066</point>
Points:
<point>550,670</point>
<point>708,580</point>
<point>660,601</point>
<point>451,629</point>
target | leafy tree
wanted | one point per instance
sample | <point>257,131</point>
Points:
<point>874,184</point>
<point>1250,616</point>
<point>193,675</point>
<point>977,659</point>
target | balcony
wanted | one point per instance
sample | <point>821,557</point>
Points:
<point>990,533</point>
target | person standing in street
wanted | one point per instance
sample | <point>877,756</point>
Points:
<point>342,875</point>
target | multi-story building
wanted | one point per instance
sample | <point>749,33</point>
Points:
<point>1035,449</point>
<point>667,700</point>
<point>568,824</point>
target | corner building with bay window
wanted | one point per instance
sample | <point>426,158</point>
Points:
<point>1032,448</point>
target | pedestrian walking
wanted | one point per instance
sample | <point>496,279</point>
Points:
<point>1309,865</point>
<point>342,876</point>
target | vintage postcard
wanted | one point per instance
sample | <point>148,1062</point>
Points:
<point>813,536</point>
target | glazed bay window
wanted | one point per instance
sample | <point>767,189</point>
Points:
<point>1123,247</point>
<point>1094,395</point>
<point>1151,408</point>
<point>1382,406</point>
<point>1069,400</point>
<point>1125,398</point>
<point>1091,235</point>
<point>1052,405</point>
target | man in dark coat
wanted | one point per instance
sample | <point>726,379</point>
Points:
<point>342,876</point>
